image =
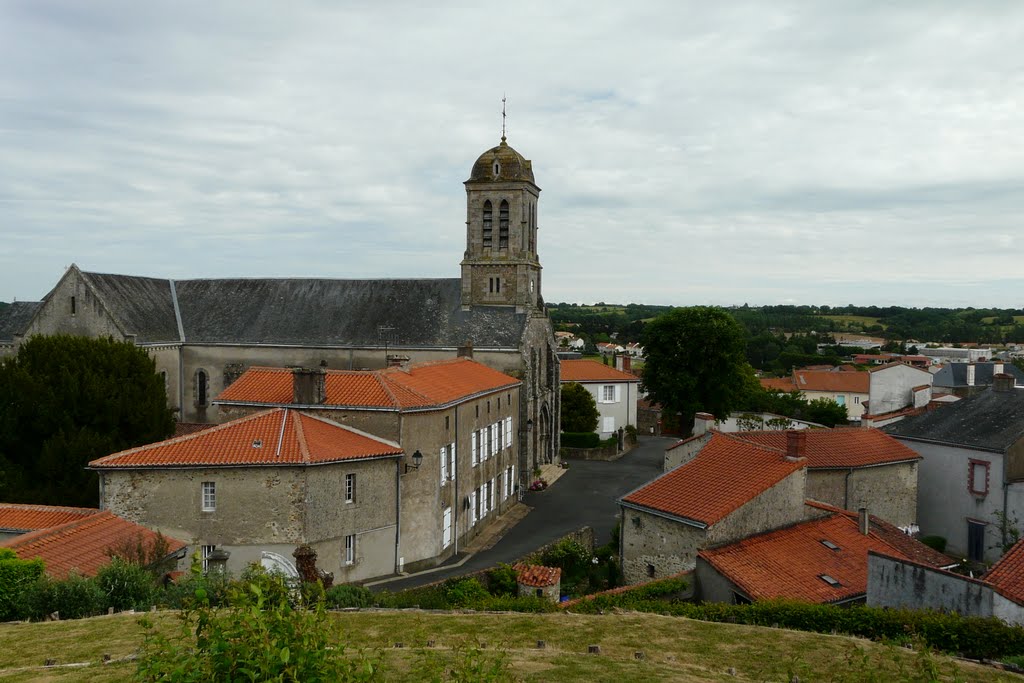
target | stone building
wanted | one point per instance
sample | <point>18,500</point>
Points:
<point>614,391</point>
<point>203,334</point>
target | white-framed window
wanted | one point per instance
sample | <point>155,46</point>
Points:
<point>474,511</point>
<point>350,550</point>
<point>493,429</point>
<point>508,432</point>
<point>209,496</point>
<point>608,393</point>
<point>205,552</point>
<point>608,424</point>
<point>977,477</point>
<point>350,488</point>
<point>856,400</point>
<point>452,467</point>
<point>475,448</point>
<point>510,477</point>
<point>446,528</point>
<point>443,460</point>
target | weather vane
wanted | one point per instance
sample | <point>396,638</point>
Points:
<point>503,117</point>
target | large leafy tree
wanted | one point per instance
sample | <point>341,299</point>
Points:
<point>67,400</point>
<point>696,361</point>
<point>578,409</point>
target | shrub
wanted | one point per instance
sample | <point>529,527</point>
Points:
<point>16,576</point>
<point>465,592</point>
<point>502,580</point>
<point>580,440</point>
<point>126,585</point>
<point>346,595</point>
<point>74,598</point>
<point>935,542</point>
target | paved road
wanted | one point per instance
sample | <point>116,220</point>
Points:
<point>584,496</point>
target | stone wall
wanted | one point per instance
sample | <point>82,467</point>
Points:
<point>654,547</point>
<point>887,491</point>
<point>908,585</point>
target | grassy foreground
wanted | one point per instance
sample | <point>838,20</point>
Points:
<point>674,649</point>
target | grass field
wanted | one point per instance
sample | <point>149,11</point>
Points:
<point>855,322</point>
<point>674,649</point>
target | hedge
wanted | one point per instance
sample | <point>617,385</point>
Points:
<point>581,440</point>
<point>16,576</point>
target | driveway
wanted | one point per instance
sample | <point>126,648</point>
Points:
<point>584,496</point>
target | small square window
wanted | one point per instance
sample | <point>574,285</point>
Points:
<point>209,496</point>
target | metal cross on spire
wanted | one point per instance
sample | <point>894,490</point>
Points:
<point>503,117</point>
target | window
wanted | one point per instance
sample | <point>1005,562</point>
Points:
<point>488,407</point>
<point>474,448</point>
<point>350,488</point>
<point>608,424</point>
<point>493,439</point>
<point>446,421</point>
<point>608,393</point>
<point>503,225</point>
<point>829,544</point>
<point>841,400</point>
<point>472,508</point>
<point>509,479</point>
<point>451,460</point>
<point>478,503</point>
<point>205,553</point>
<point>201,388</point>
<point>446,528</point>
<point>490,495</point>
<point>209,496</point>
<point>977,477</point>
<point>350,550</point>
<point>494,285</point>
<point>856,400</point>
<point>976,540</point>
<point>74,308</point>
<point>500,433</point>
<point>650,570</point>
<point>443,460</point>
<point>830,580</point>
<point>508,432</point>
<point>487,224</point>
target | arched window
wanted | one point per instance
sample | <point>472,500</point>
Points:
<point>503,225</point>
<point>201,388</point>
<point>487,224</point>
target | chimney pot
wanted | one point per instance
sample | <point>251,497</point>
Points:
<point>796,443</point>
<point>863,520</point>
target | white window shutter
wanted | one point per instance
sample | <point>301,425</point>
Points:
<point>508,432</point>
<point>618,393</point>
<point>443,466</point>
<point>494,439</point>
<point>454,469</point>
<point>473,449</point>
<point>472,508</point>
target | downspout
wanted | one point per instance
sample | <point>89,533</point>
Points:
<point>455,476</point>
<point>398,508</point>
<point>1006,495</point>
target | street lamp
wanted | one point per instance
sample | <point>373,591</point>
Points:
<point>417,460</point>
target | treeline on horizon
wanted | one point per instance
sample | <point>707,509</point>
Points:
<point>897,323</point>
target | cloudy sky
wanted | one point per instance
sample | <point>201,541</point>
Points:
<point>760,152</point>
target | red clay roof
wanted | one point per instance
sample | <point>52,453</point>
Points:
<point>274,437</point>
<point>83,545</point>
<point>840,447</point>
<point>789,562</point>
<point>1007,575</point>
<point>824,380</point>
<point>779,383</point>
<point>423,385</point>
<point>536,575</point>
<point>592,371</point>
<point>21,517</point>
<point>724,475</point>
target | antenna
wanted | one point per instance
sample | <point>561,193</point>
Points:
<point>503,117</point>
<point>383,335</point>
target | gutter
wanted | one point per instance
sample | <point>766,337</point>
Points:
<point>665,515</point>
<point>235,466</point>
<point>336,406</point>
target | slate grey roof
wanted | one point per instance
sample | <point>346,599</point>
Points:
<point>15,317</point>
<point>142,304</point>
<point>955,374</point>
<point>308,312</point>
<point>991,421</point>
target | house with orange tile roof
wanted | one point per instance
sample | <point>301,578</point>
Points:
<point>615,392</point>
<point>20,518</point>
<point>84,543</point>
<point>729,489</point>
<point>259,486</point>
<point>460,415</point>
<point>820,560</point>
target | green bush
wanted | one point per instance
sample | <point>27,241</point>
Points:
<point>502,580</point>
<point>16,576</point>
<point>74,598</point>
<point>127,586</point>
<point>580,440</point>
<point>346,595</point>
<point>465,592</point>
<point>180,593</point>
<point>934,542</point>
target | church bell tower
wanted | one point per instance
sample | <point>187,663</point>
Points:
<point>500,267</point>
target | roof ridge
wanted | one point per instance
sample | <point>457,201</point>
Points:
<point>384,385</point>
<point>761,446</point>
<point>300,436</point>
<point>184,437</point>
<point>47,508</point>
<point>31,537</point>
<point>359,432</point>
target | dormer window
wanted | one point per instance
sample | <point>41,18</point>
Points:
<point>487,224</point>
<point>503,225</point>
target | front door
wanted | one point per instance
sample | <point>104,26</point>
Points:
<point>975,540</point>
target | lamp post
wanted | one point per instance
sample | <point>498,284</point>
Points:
<point>417,460</point>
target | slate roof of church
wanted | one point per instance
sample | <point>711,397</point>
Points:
<point>989,421</point>
<point>15,317</point>
<point>301,311</point>
<point>955,374</point>
<point>83,545</point>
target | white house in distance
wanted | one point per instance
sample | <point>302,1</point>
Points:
<point>614,391</point>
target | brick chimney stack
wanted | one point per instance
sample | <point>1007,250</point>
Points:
<point>309,386</point>
<point>1003,382</point>
<point>623,362</point>
<point>796,444</point>
<point>466,350</point>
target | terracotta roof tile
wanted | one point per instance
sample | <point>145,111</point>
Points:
<point>778,383</point>
<point>537,576</point>
<point>83,545</point>
<point>274,437</point>
<point>592,371</point>
<point>841,447</point>
<point>824,380</point>
<point>790,562</point>
<point>1007,575</point>
<point>423,385</point>
<point>724,475</point>
<point>19,517</point>
<point>183,428</point>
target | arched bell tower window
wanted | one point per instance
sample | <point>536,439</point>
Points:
<point>201,388</point>
<point>487,224</point>
<point>503,225</point>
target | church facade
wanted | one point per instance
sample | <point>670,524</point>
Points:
<point>204,333</point>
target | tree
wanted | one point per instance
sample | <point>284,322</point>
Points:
<point>825,411</point>
<point>67,400</point>
<point>579,409</point>
<point>696,361</point>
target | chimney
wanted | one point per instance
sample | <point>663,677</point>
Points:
<point>702,423</point>
<point>397,361</point>
<point>970,374</point>
<point>1003,382</point>
<point>466,350</point>
<point>863,521</point>
<point>997,368</point>
<point>308,386</point>
<point>796,444</point>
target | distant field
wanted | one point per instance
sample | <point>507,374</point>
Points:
<point>674,649</point>
<point>1018,319</point>
<point>855,321</point>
